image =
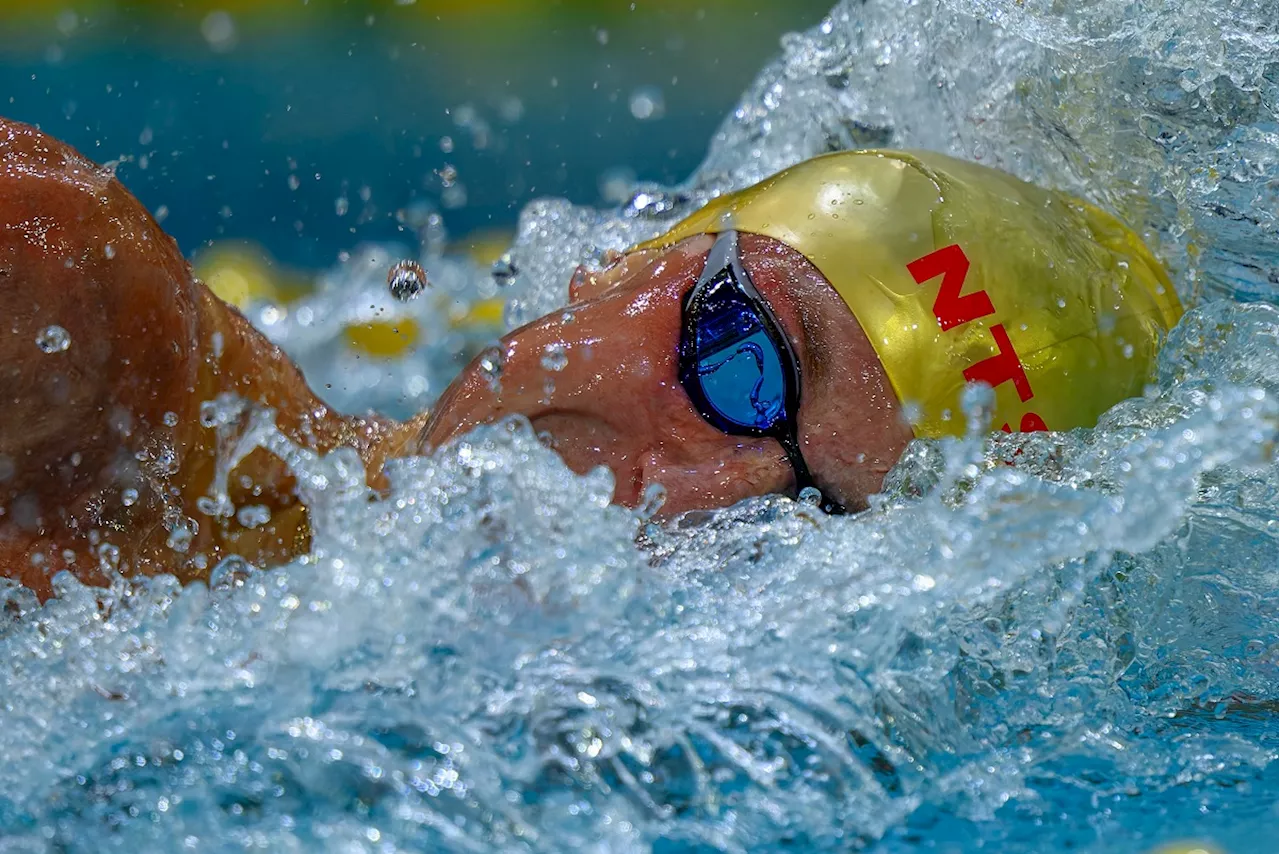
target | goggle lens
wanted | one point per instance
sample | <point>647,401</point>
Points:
<point>738,367</point>
<point>735,363</point>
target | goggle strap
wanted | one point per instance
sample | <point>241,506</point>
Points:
<point>804,479</point>
<point>723,256</point>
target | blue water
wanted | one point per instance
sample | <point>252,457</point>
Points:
<point>1041,642</point>
<point>370,101</point>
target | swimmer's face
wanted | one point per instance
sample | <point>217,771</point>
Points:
<point>618,400</point>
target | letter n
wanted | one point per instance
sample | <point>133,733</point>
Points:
<point>949,306</point>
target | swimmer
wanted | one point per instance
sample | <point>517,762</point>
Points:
<point>799,333</point>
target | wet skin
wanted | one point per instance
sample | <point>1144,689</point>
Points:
<point>102,442</point>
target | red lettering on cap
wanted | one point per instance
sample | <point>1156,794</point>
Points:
<point>1031,423</point>
<point>1002,367</point>
<point>949,306</point>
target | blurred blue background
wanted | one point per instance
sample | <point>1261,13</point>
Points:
<point>306,126</point>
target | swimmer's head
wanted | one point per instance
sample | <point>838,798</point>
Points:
<point>618,400</point>
<point>887,280</point>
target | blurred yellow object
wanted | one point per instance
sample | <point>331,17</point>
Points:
<point>241,273</point>
<point>384,339</point>
<point>487,245</point>
<point>1187,848</point>
<point>484,313</point>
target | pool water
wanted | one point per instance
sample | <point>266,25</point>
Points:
<point>1030,643</point>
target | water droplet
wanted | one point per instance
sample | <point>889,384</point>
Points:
<point>108,556</point>
<point>67,22</point>
<point>109,251</point>
<point>454,196</point>
<point>171,419</point>
<point>217,507</point>
<point>978,401</point>
<point>219,30</point>
<point>53,339</point>
<point>810,496</point>
<point>491,368</point>
<point>182,532</point>
<point>129,497</point>
<point>504,270</point>
<point>294,183</point>
<point>406,279</point>
<point>555,357</point>
<point>511,109</point>
<point>253,515</point>
<point>341,206</point>
<point>616,184</point>
<point>647,103</point>
<point>651,501</point>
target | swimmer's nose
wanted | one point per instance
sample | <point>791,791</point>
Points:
<point>599,382</point>
<point>591,379</point>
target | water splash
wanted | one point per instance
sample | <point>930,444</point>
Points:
<point>484,658</point>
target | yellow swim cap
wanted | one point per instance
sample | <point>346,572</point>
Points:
<point>960,273</point>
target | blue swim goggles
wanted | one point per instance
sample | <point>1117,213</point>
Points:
<point>736,365</point>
